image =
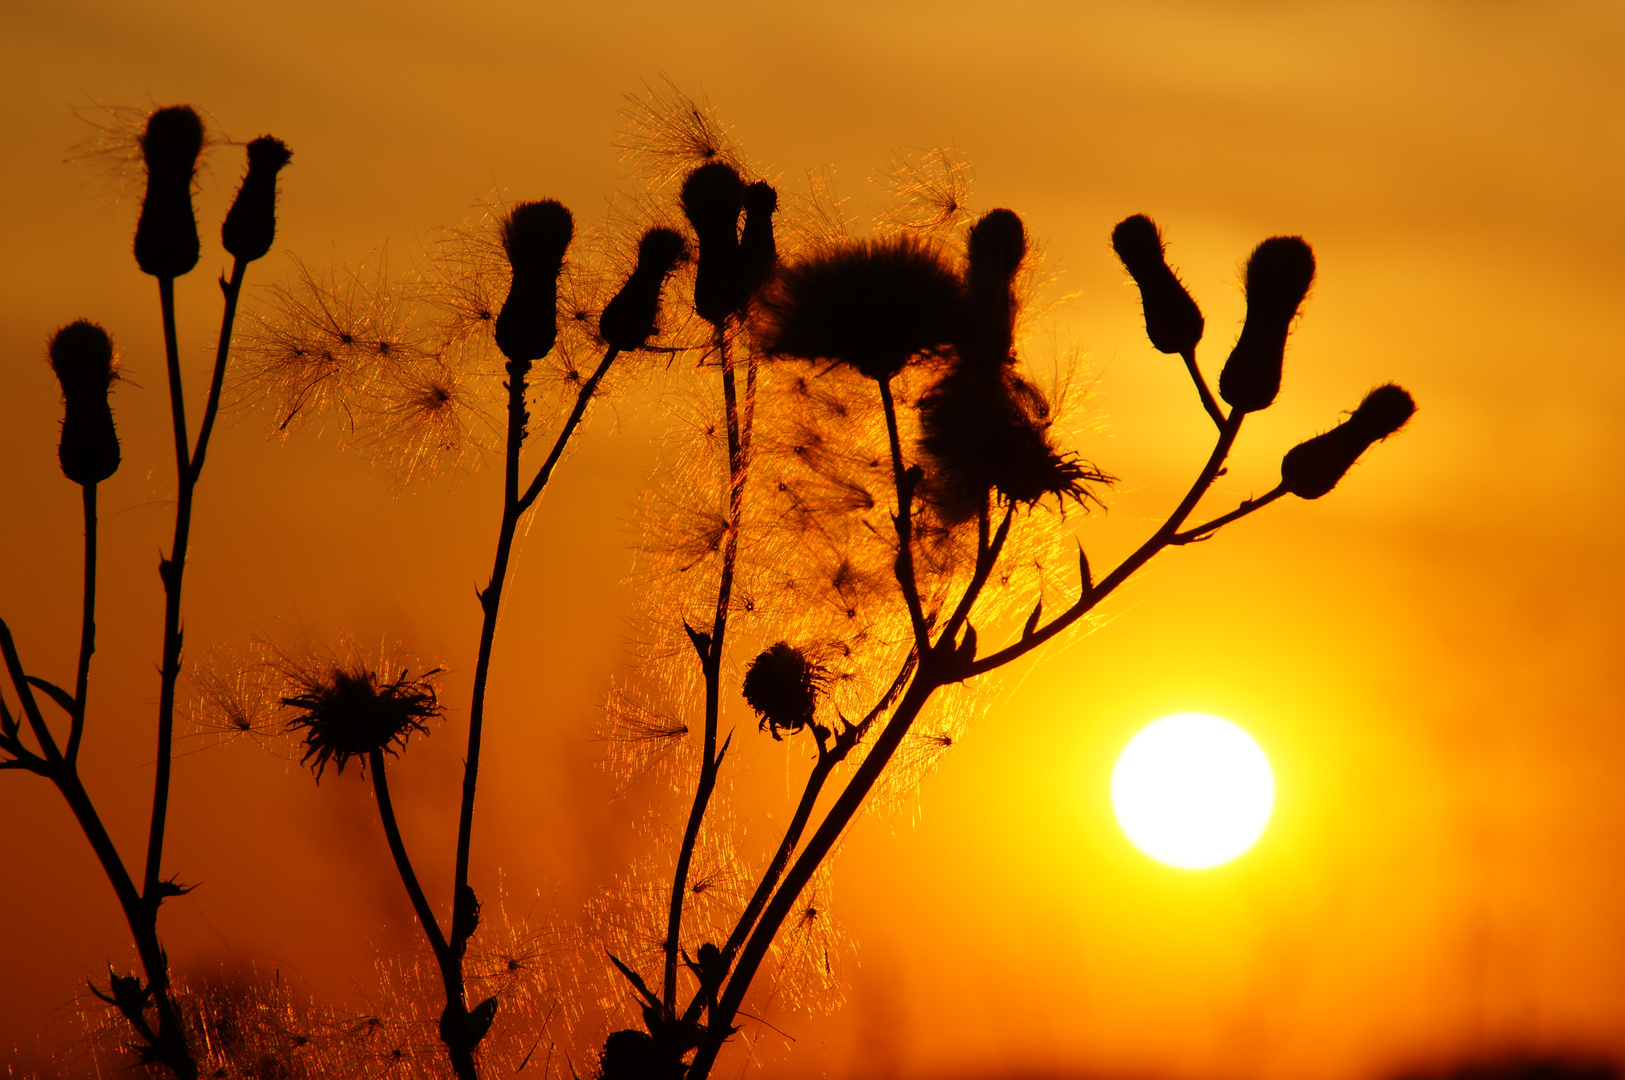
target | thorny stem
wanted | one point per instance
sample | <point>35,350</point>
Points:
<point>514,506</point>
<point>1208,401</point>
<point>87,627</point>
<point>1202,532</point>
<point>904,522</point>
<point>739,428</point>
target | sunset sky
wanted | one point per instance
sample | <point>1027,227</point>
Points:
<point>1430,655</point>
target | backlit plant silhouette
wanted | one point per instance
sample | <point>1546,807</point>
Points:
<point>864,510</point>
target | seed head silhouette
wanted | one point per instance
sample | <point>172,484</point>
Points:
<point>1279,273</point>
<point>1173,322</point>
<point>758,252</point>
<point>713,197</point>
<point>350,711</point>
<point>535,236</point>
<point>1312,468</point>
<point>872,304</point>
<point>250,224</point>
<point>996,246</point>
<point>783,686</point>
<point>166,243</point>
<point>632,315</point>
<point>82,357</point>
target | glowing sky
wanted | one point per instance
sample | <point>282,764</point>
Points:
<point>1431,653</point>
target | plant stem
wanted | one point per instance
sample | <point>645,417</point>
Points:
<point>903,521</point>
<point>87,627</point>
<point>1208,401</point>
<point>1203,531</point>
<point>403,862</point>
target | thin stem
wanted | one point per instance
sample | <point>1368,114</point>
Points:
<point>1202,532</point>
<point>583,398</point>
<point>403,862</point>
<point>231,290</point>
<point>1164,536</point>
<point>87,627</point>
<point>903,521</point>
<point>987,557</point>
<point>711,662</point>
<point>1208,401</point>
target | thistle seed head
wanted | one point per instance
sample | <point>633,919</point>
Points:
<point>348,711</point>
<point>632,315</point>
<point>713,196</point>
<point>166,243</point>
<point>82,356</point>
<point>1312,468</point>
<point>871,304</point>
<point>1173,322</point>
<point>535,236</point>
<point>250,224</point>
<point>996,246</point>
<point>783,686</point>
<point>758,251</point>
<point>1279,273</point>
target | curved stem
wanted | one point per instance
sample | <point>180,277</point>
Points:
<point>1208,401</point>
<point>903,521</point>
<point>87,627</point>
<point>403,862</point>
<point>1203,531</point>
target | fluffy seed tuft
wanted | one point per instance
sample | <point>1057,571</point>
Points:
<point>783,686</point>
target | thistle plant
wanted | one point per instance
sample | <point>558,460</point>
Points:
<point>84,359</point>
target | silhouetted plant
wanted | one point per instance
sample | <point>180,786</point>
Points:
<point>82,355</point>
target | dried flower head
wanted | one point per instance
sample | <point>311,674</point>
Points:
<point>85,364</point>
<point>989,431</point>
<point>1279,273</point>
<point>1312,468</point>
<point>535,236</point>
<point>1173,322</point>
<point>350,710</point>
<point>250,224</point>
<point>783,686</point>
<point>872,304</point>
<point>166,243</point>
<point>632,316</point>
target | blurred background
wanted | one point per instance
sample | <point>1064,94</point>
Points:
<point>1429,655</point>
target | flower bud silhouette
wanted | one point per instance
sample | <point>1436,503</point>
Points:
<point>871,304</point>
<point>1173,322</point>
<point>82,357</point>
<point>1312,468</point>
<point>350,712</point>
<point>996,246</point>
<point>535,236</point>
<point>758,251</point>
<point>250,224</point>
<point>988,431</point>
<point>783,686</point>
<point>166,243</point>
<point>631,316</point>
<point>713,196</point>
<point>1279,273</point>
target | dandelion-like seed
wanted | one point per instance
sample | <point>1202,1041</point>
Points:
<point>348,711</point>
<point>669,133</point>
<point>783,686</point>
<point>431,416</point>
<point>873,305</point>
<point>930,192</point>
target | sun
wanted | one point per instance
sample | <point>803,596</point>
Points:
<point>1193,791</point>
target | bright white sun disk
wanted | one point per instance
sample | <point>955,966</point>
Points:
<point>1193,791</point>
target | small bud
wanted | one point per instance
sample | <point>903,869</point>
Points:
<point>166,243</point>
<point>1311,469</point>
<point>1279,273</point>
<point>996,246</point>
<point>783,686</point>
<point>758,252</point>
<point>82,357</point>
<point>713,197</point>
<point>1173,322</point>
<point>870,304</point>
<point>535,236</point>
<point>631,317</point>
<point>250,224</point>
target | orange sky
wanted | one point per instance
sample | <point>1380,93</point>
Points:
<point>1429,655</point>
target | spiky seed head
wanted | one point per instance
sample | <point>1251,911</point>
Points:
<point>250,224</point>
<point>83,358</point>
<point>1173,322</point>
<point>1312,468</point>
<point>352,711</point>
<point>166,243</point>
<point>632,316</point>
<point>1279,273</point>
<point>872,304</point>
<point>783,686</point>
<point>988,431</point>
<point>535,236</point>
